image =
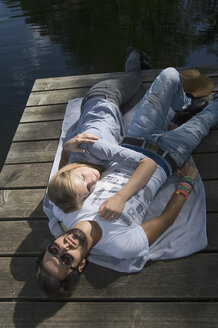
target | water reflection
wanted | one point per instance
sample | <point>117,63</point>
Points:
<point>57,38</point>
<point>97,32</point>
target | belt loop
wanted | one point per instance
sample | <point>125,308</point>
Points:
<point>165,153</point>
<point>144,143</point>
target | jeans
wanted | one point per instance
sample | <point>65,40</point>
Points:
<point>149,121</point>
<point>128,88</point>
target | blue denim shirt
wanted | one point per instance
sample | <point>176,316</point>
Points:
<point>103,119</point>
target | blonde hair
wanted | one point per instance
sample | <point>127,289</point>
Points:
<point>61,191</point>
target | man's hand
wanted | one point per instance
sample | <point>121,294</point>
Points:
<point>112,208</point>
<point>73,144</point>
<point>188,169</point>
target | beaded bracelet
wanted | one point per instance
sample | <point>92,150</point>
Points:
<point>185,186</point>
<point>182,193</point>
<point>188,179</point>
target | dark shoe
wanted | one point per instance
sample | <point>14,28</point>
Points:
<point>196,106</point>
<point>145,59</point>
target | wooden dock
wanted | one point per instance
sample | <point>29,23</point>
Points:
<point>180,293</point>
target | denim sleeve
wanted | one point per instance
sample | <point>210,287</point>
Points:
<point>105,153</point>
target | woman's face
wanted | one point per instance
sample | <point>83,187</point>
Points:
<point>84,180</point>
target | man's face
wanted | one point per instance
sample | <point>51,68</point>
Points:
<point>72,245</point>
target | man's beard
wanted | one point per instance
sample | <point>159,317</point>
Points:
<point>81,237</point>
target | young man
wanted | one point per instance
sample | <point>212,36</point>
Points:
<point>125,240</point>
<point>66,256</point>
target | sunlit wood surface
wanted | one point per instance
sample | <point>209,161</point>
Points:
<point>179,293</point>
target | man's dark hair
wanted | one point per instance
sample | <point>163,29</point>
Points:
<point>53,287</point>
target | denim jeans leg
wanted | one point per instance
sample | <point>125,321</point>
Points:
<point>121,90</point>
<point>166,91</point>
<point>183,140</point>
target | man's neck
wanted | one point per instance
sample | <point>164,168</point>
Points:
<point>92,231</point>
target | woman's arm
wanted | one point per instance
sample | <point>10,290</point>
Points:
<point>113,206</point>
<point>156,226</point>
<point>103,153</point>
<point>73,145</point>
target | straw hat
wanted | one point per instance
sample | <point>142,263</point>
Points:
<point>197,84</point>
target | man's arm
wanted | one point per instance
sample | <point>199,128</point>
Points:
<point>156,226</point>
<point>113,206</point>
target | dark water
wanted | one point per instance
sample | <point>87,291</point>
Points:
<point>48,38</point>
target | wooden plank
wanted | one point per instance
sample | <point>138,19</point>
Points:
<point>29,152</point>
<point>43,113</point>
<point>38,131</point>
<point>75,81</point>
<point>25,175</point>
<point>209,70</point>
<point>28,202</point>
<point>85,81</point>
<point>89,80</point>
<point>44,150</point>
<point>20,152</point>
<point>190,278</point>
<point>109,314</point>
<point>21,203</point>
<point>210,143</point>
<point>207,165</point>
<point>212,232</point>
<point>211,189</point>
<point>53,97</point>
<point>62,96</point>
<point>30,236</point>
<point>26,237</point>
<point>36,174</point>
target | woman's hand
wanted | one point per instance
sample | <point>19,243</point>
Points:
<point>112,208</point>
<point>188,169</point>
<point>73,144</point>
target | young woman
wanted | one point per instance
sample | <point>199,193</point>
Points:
<point>100,125</point>
<point>148,147</point>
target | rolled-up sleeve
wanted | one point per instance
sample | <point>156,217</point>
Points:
<point>104,153</point>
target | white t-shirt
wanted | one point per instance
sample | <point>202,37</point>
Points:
<point>123,238</point>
